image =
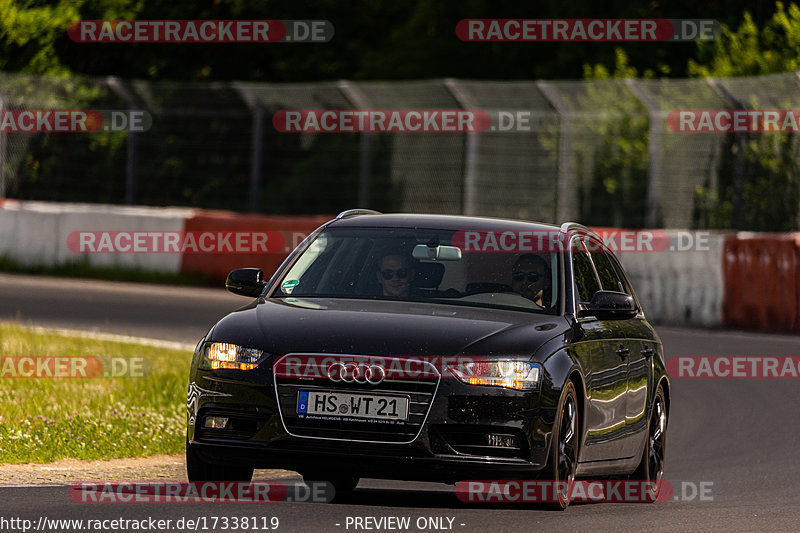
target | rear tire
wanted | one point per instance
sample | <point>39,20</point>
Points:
<point>199,470</point>
<point>651,470</point>
<point>563,460</point>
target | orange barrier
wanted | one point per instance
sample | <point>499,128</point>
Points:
<point>293,229</point>
<point>795,238</point>
<point>732,276</point>
<point>762,289</point>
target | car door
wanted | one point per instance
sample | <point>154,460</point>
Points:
<point>640,364</point>
<point>604,370</point>
<point>626,344</point>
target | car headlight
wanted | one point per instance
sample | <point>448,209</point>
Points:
<point>518,375</point>
<point>223,355</point>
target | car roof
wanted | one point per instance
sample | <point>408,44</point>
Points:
<point>443,222</point>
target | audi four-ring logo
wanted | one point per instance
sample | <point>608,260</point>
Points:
<point>356,373</point>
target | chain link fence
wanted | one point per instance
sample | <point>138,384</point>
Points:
<point>600,152</point>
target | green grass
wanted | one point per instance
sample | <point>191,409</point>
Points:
<point>45,419</point>
<point>82,269</point>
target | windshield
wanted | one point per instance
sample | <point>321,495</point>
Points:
<point>420,265</point>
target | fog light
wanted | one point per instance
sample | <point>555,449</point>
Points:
<point>215,422</point>
<point>502,441</point>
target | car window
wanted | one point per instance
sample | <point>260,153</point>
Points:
<point>626,284</point>
<point>585,279</point>
<point>381,263</point>
<point>605,270</point>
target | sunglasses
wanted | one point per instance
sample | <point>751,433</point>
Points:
<point>532,276</point>
<point>401,273</point>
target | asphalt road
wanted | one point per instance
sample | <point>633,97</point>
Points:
<point>162,312</point>
<point>734,439</point>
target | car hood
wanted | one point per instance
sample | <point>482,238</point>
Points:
<point>385,328</point>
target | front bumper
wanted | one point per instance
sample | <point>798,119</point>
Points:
<point>447,445</point>
<point>437,468</point>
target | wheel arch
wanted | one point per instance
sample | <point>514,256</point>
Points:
<point>576,378</point>
<point>563,368</point>
<point>664,382</point>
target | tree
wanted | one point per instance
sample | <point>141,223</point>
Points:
<point>758,178</point>
<point>613,190</point>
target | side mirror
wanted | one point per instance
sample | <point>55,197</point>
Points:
<point>246,282</point>
<point>609,305</point>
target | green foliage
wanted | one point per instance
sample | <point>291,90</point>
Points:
<point>325,177</point>
<point>770,189</point>
<point>756,183</point>
<point>29,32</point>
<point>767,196</point>
<point>207,162</point>
<point>750,50</point>
<point>614,193</point>
<point>374,40</point>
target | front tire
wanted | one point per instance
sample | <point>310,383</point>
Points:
<point>199,470</point>
<point>651,470</point>
<point>563,460</point>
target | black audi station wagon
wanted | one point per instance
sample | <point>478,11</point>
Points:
<point>433,348</point>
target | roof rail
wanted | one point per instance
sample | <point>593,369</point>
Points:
<point>572,226</point>
<point>356,212</point>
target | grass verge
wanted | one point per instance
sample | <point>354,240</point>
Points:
<point>44,419</point>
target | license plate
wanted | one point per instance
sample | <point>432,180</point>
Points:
<point>352,405</point>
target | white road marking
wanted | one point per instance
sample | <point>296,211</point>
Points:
<point>144,341</point>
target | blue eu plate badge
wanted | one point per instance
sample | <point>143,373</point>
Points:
<point>302,402</point>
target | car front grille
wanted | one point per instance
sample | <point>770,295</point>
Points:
<point>420,392</point>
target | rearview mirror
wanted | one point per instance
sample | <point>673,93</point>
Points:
<point>436,253</point>
<point>246,282</point>
<point>609,305</point>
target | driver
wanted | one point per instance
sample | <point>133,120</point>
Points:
<point>395,274</point>
<point>530,277</point>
